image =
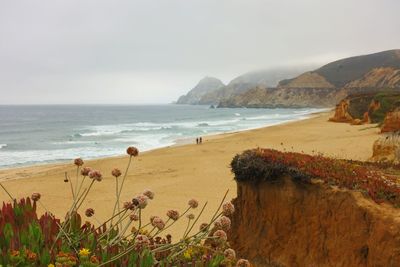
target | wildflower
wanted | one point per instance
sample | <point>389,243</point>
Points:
<point>116,173</point>
<point>85,171</point>
<point>220,235</point>
<point>134,217</point>
<point>129,205</point>
<point>89,212</point>
<point>141,242</point>
<point>223,223</point>
<point>84,252</point>
<point>173,214</point>
<point>229,254</point>
<point>132,151</point>
<point>193,203</point>
<point>31,256</point>
<point>78,162</point>
<point>243,263</point>
<point>158,222</point>
<point>190,216</point>
<point>228,209</point>
<point>96,175</point>
<point>188,253</point>
<point>51,265</point>
<point>148,193</point>
<point>94,259</point>
<point>36,196</point>
<point>140,201</point>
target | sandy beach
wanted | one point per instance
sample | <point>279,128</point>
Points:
<point>179,173</point>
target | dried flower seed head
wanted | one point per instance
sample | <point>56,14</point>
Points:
<point>140,201</point>
<point>36,196</point>
<point>116,173</point>
<point>129,205</point>
<point>193,203</point>
<point>228,209</point>
<point>78,162</point>
<point>132,151</point>
<point>148,193</point>
<point>220,235</point>
<point>141,242</point>
<point>66,179</point>
<point>173,215</point>
<point>203,227</point>
<point>243,263</point>
<point>134,217</point>
<point>85,171</point>
<point>96,175</point>
<point>223,223</point>
<point>190,216</point>
<point>158,222</point>
<point>230,254</point>
<point>89,212</point>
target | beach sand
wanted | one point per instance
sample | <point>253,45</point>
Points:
<point>179,173</point>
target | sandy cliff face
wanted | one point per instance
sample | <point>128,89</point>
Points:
<point>387,148</point>
<point>391,122</point>
<point>342,112</point>
<point>291,224</point>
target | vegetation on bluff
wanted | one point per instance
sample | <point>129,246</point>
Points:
<point>376,180</point>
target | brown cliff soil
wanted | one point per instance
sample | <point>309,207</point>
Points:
<point>387,148</point>
<point>290,224</point>
<point>300,210</point>
<point>391,122</point>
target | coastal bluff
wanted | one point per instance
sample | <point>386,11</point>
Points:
<point>286,217</point>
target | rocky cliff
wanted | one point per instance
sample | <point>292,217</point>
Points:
<point>285,218</point>
<point>205,85</point>
<point>369,108</point>
<point>261,97</point>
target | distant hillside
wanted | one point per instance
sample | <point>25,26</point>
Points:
<point>238,85</point>
<point>242,83</point>
<point>205,85</point>
<point>327,85</point>
<point>341,72</point>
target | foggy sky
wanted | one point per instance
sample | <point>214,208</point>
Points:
<point>97,51</point>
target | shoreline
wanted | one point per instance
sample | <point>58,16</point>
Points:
<point>181,172</point>
<point>177,142</point>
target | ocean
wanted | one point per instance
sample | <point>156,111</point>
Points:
<point>32,135</point>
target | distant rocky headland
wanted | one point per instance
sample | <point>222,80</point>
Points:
<point>323,87</point>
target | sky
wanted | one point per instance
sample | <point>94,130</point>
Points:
<point>152,51</point>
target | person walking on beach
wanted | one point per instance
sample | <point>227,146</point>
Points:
<point>197,140</point>
<point>201,140</point>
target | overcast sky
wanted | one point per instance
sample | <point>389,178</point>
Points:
<point>97,51</point>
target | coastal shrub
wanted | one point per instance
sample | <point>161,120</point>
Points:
<point>124,239</point>
<point>378,180</point>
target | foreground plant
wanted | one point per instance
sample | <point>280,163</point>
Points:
<point>124,239</point>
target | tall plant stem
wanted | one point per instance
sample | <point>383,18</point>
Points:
<point>8,193</point>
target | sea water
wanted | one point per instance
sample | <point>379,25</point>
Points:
<point>53,133</point>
